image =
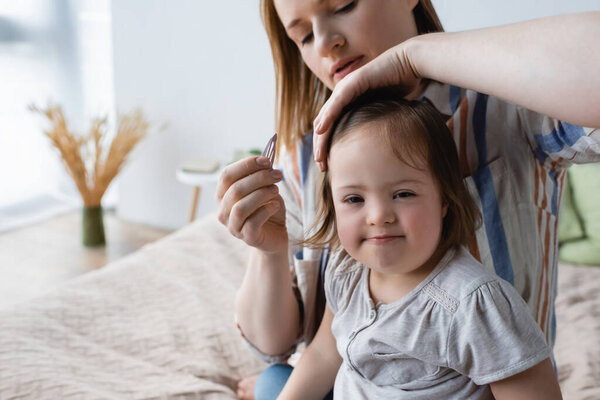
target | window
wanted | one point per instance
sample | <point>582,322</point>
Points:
<point>57,51</point>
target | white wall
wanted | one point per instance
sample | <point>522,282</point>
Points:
<point>205,68</point>
<point>459,15</point>
<point>202,67</point>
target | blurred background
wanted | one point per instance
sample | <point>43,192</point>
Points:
<point>200,71</point>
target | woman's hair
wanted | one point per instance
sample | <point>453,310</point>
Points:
<point>418,136</point>
<point>299,93</point>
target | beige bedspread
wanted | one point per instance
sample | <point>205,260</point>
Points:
<point>159,325</point>
<point>155,325</point>
<point>577,348</point>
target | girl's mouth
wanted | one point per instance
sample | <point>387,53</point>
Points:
<point>382,239</point>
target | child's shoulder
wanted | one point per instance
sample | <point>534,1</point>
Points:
<point>343,271</point>
<point>460,277</point>
<point>341,263</point>
<point>344,280</point>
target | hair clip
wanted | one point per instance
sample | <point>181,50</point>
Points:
<point>269,150</point>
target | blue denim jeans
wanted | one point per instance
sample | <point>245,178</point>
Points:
<point>271,381</point>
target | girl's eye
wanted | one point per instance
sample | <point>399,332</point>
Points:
<point>306,39</point>
<point>353,199</point>
<point>346,8</point>
<point>401,195</point>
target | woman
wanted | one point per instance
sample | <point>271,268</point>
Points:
<point>514,142</point>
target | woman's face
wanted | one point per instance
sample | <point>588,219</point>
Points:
<point>335,37</point>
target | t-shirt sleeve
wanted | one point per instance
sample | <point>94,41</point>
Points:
<point>332,284</point>
<point>558,142</point>
<point>493,335</point>
<point>341,278</point>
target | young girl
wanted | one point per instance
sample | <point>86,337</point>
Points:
<point>513,158</point>
<point>415,316</point>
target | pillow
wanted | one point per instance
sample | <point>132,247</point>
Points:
<point>569,227</point>
<point>585,189</point>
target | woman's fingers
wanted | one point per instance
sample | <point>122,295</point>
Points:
<point>245,187</point>
<point>243,209</point>
<point>254,232</point>
<point>250,205</point>
<point>392,68</point>
<point>238,170</point>
<point>346,90</point>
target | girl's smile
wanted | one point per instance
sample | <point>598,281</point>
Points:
<point>382,239</point>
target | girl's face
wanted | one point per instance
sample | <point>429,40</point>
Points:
<point>388,214</point>
<point>335,37</point>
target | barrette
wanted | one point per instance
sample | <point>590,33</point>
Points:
<point>269,150</point>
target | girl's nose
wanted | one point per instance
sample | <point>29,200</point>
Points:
<point>327,38</point>
<point>380,214</point>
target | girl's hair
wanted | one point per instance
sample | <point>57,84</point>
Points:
<point>299,93</point>
<point>418,136</point>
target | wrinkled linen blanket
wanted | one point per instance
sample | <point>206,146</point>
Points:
<point>577,347</point>
<point>158,324</point>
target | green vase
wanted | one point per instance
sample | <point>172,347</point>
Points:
<point>93,226</point>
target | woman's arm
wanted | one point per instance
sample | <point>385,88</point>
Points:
<point>538,382</point>
<point>266,307</point>
<point>251,207</point>
<point>548,65</point>
<point>314,375</point>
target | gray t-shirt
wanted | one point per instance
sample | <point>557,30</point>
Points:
<point>458,330</point>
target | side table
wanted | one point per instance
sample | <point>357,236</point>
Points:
<point>196,179</point>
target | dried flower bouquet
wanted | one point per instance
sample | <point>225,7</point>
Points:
<point>93,160</point>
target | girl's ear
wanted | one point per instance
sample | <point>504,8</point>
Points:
<point>412,3</point>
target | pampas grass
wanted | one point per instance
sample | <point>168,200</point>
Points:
<point>93,160</point>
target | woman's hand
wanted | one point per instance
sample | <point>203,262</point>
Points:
<point>391,68</point>
<point>250,206</point>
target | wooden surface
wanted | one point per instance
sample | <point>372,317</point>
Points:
<point>39,257</point>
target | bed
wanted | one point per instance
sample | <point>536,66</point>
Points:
<point>158,324</point>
